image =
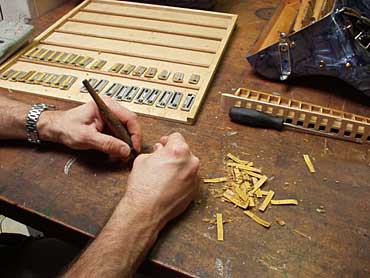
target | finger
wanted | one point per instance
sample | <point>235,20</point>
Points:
<point>196,163</point>
<point>109,145</point>
<point>121,112</point>
<point>175,138</point>
<point>177,146</point>
<point>129,119</point>
<point>134,129</point>
<point>157,147</point>
<point>164,140</point>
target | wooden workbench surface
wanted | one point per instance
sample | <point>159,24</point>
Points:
<point>38,188</point>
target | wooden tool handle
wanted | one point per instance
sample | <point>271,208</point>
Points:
<point>109,118</point>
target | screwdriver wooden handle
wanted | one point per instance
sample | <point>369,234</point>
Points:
<point>255,118</point>
<point>109,118</point>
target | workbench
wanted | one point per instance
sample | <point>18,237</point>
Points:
<point>71,194</point>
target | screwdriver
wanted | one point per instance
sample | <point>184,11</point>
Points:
<point>252,117</point>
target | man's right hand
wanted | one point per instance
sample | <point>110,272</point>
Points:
<point>164,182</point>
<point>160,187</point>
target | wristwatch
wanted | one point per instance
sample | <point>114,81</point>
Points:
<point>32,119</point>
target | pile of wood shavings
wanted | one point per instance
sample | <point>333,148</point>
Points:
<point>242,187</point>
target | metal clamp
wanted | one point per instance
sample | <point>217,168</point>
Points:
<point>284,54</point>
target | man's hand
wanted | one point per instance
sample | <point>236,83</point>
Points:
<point>160,187</point>
<point>166,181</point>
<point>81,128</point>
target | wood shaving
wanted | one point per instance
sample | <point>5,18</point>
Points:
<point>259,193</point>
<point>241,187</point>
<point>207,220</point>
<point>257,219</point>
<point>280,222</point>
<point>255,175</point>
<point>254,180</point>
<point>259,184</point>
<point>244,188</point>
<point>242,194</point>
<point>244,167</point>
<point>232,197</point>
<point>302,234</point>
<point>236,159</point>
<point>214,221</point>
<point>267,200</point>
<point>215,180</point>
<point>309,164</point>
<point>247,185</point>
<point>284,202</point>
<point>220,227</point>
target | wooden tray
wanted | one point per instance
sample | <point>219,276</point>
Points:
<point>166,38</point>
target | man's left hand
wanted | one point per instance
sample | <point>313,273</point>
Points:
<point>81,128</point>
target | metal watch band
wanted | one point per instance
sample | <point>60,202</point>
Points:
<point>32,119</point>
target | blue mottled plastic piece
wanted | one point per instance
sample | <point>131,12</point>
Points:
<point>326,40</point>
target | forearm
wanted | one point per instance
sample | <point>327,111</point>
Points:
<point>121,246</point>
<point>12,119</point>
<point>13,116</point>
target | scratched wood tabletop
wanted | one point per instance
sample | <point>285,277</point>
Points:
<point>72,193</point>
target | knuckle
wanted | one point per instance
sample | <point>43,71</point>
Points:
<point>82,137</point>
<point>180,149</point>
<point>194,165</point>
<point>133,116</point>
<point>196,161</point>
<point>140,158</point>
<point>178,135</point>
<point>185,148</point>
<point>108,146</point>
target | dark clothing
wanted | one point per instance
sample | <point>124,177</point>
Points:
<point>28,257</point>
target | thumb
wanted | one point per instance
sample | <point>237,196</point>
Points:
<point>110,145</point>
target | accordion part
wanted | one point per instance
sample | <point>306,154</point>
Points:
<point>316,37</point>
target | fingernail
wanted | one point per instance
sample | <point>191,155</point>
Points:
<point>125,151</point>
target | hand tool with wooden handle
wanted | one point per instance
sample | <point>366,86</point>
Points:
<point>113,123</point>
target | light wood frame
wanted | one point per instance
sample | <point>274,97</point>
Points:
<point>180,40</point>
<point>304,116</point>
